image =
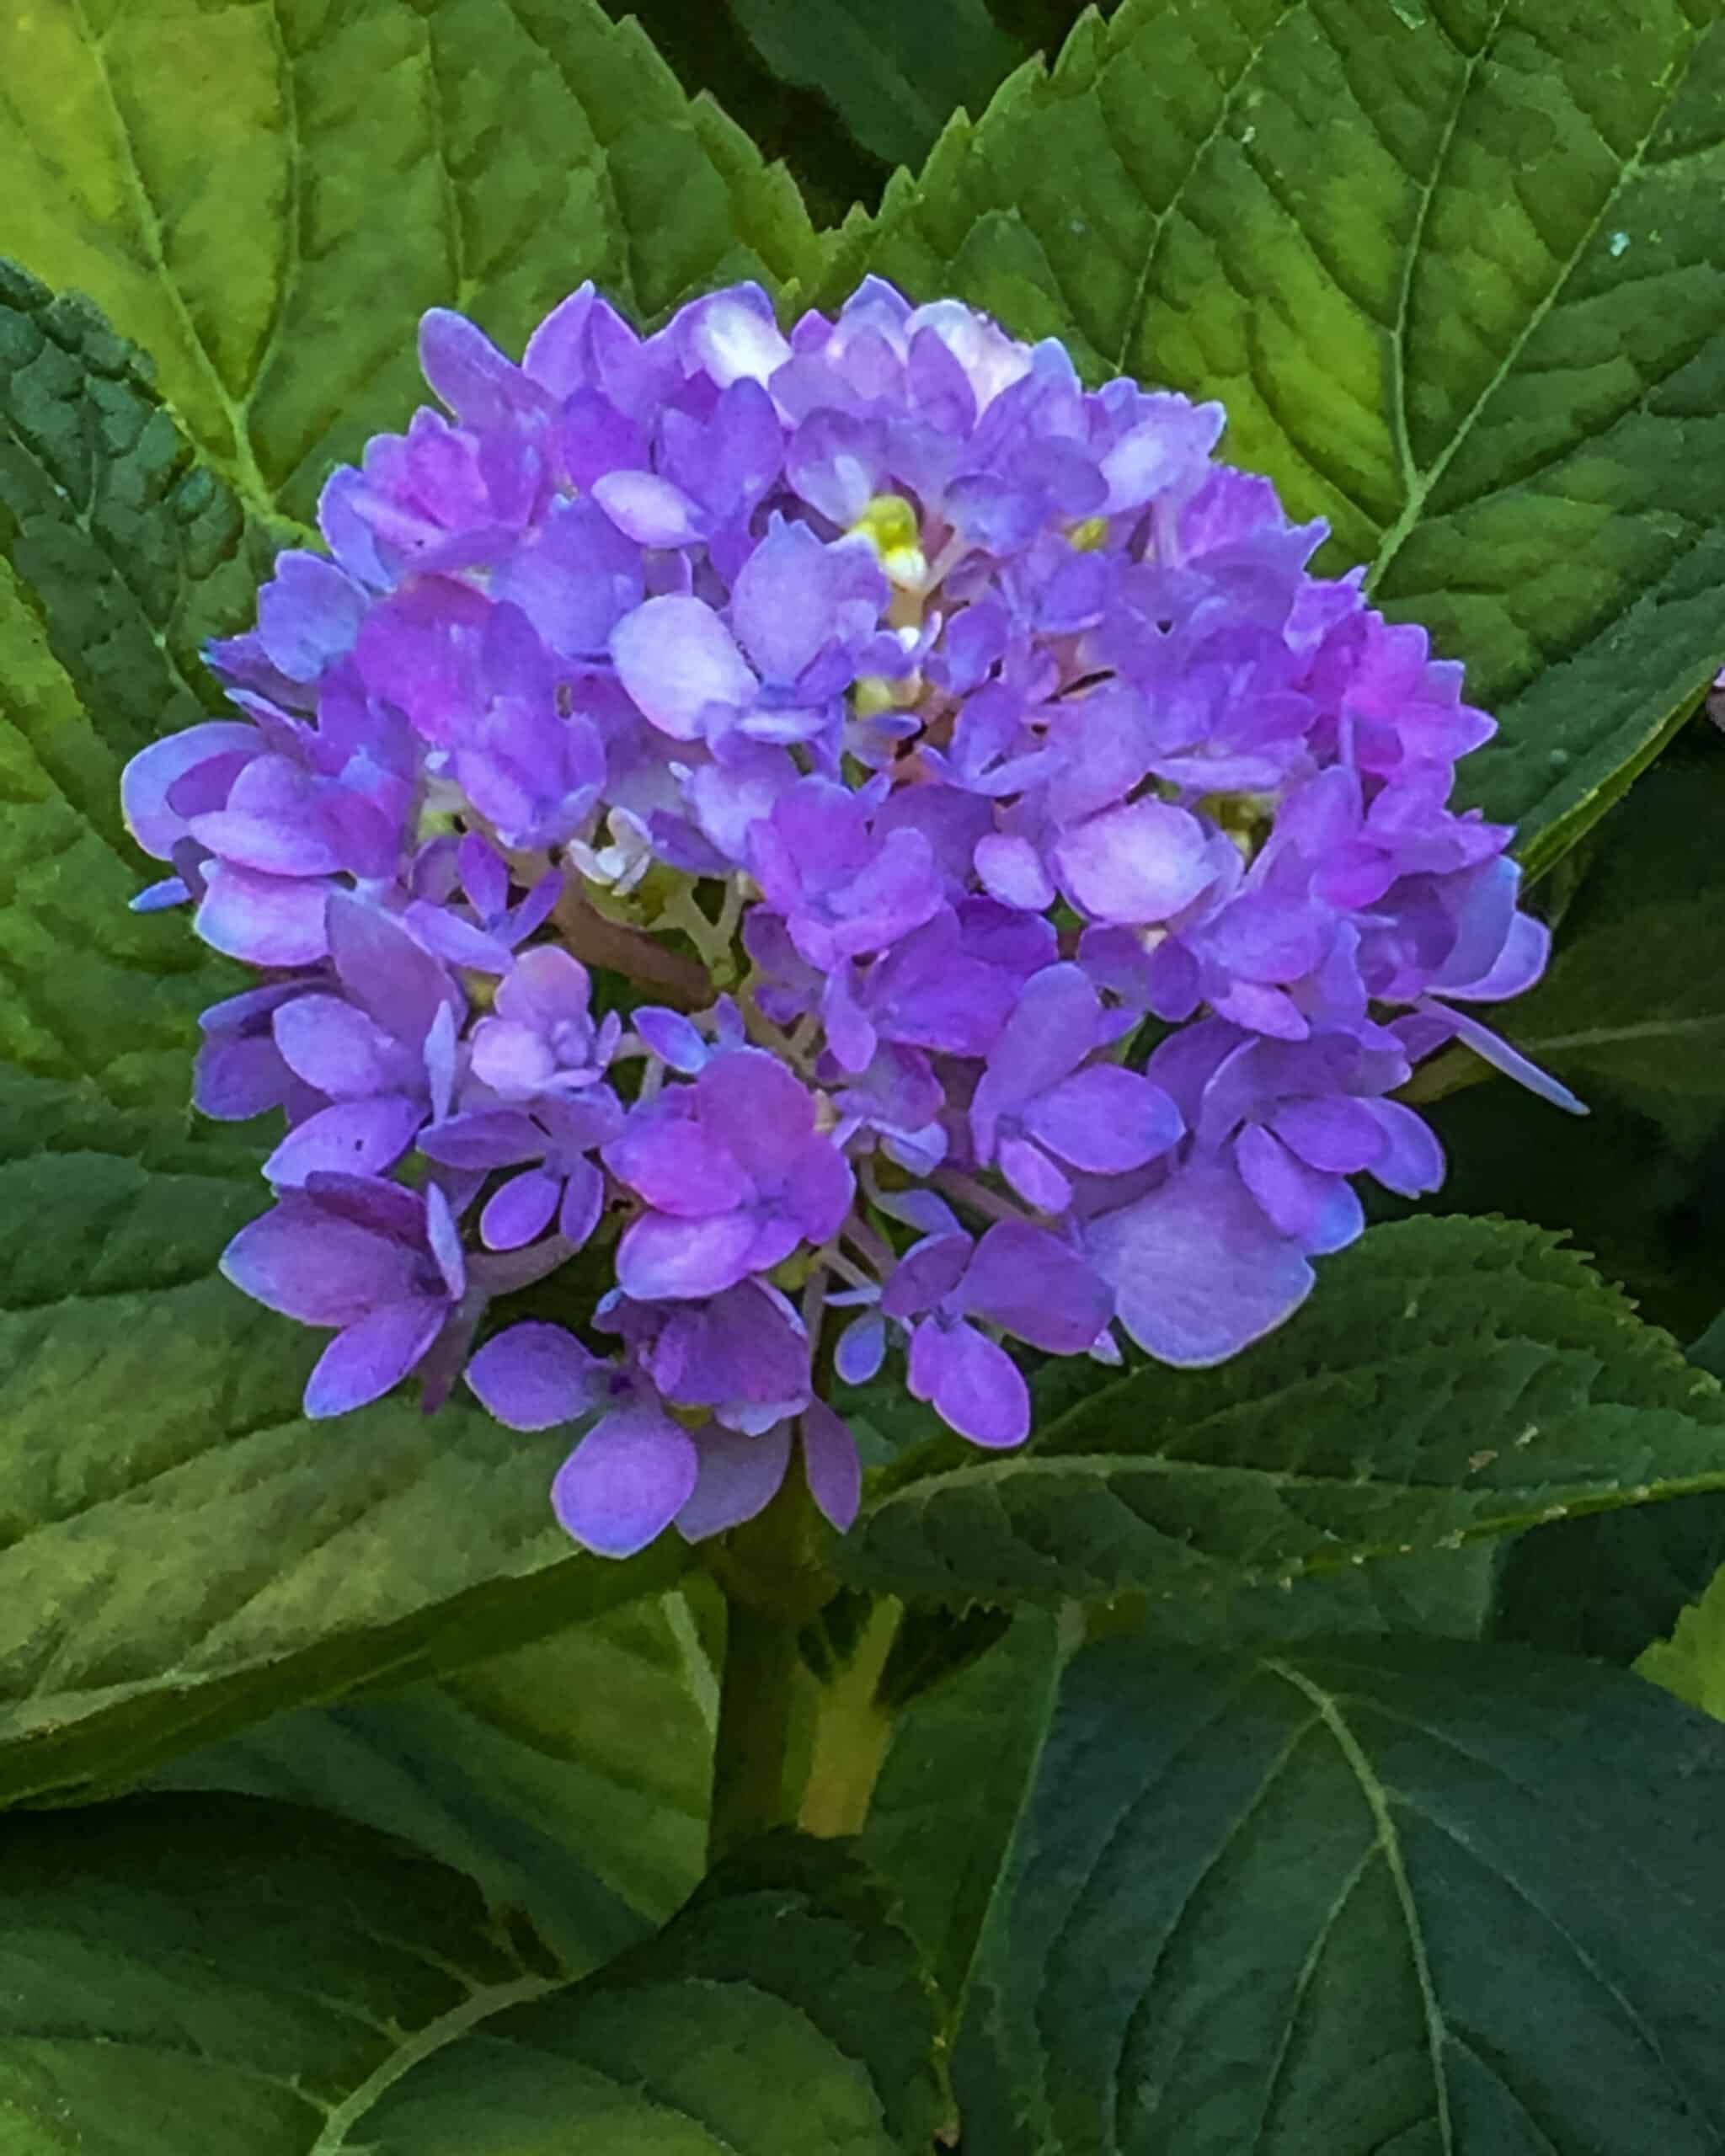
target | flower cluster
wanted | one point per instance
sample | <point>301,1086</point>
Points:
<point>1035,883</point>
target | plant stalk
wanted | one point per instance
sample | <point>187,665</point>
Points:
<point>754,1750</point>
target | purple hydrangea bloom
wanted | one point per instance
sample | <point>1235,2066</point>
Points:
<point>1054,880</point>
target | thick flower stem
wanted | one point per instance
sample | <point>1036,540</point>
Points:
<point>754,1750</point>
<point>775,1581</point>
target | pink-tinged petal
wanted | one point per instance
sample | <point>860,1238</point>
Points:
<point>1135,864</point>
<point>1033,1176</point>
<point>361,1363</point>
<point>359,1137</point>
<point>1013,871</point>
<point>1105,1120</point>
<point>521,1209</point>
<point>625,1481</point>
<point>534,1376</point>
<point>830,1465</point>
<point>267,920</point>
<point>1412,1161</point>
<point>337,1048</point>
<point>738,1477</point>
<point>974,1385</point>
<point>648,510</point>
<point>663,1259</point>
<point>1034,1286</point>
<point>147,779</point>
<point>322,1270</point>
<point>1197,1270</point>
<point>674,657</point>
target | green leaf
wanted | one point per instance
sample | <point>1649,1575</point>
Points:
<point>570,1778</point>
<point>781,2014</point>
<point>894,85</point>
<point>180,1552</point>
<point>239,189</point>
<point>1461,288</point>
<point>1449,1378</point>
<point>938,1830</point>
<point>1633,1005</point>
<point>231,1975</point>
<point>121,556</point>
<point>1417,1896</point>
<point>1691,1663</point>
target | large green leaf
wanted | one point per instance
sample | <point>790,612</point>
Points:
<point>265,196</point>
<point>569,1778</point>
<point>1461,287</point>
<point>180,1552</point>
<point>781,2014</point>
<point>234,1975</point>
<point>1449,1379</point>
<point>1415,1896</point>
<point>1633,1004</point>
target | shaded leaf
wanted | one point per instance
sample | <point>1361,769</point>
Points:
<point>1691,1663</point>
<point>1416,1896</point>
<point>1460,287</point>
<point>234,1975</point>
<point>229,1975</point>
<point>180,1552</point>
<point>781,2014</point>
<point>570,1778</point>
<point>1449,1380</point>
<point>235,189</point>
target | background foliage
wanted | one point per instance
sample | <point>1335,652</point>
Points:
<point>1226,1722</point>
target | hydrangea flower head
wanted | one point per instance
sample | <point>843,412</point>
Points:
<point>1035,884</point>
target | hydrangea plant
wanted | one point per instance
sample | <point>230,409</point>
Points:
<point>783,1365</point>
<point>1052,882</point>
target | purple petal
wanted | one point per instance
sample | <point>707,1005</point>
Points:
<point>521,1209</point>
<point>1033,1176</point>
<point>738,1477</point>
<point>625,1481</point>
<point>671,1037</point>
<point>861,1348</point>
<point>1413,1161</point>
<point>1197,1270</point>
<point>976,1386</point>
<point>151,774</point>
<point>1104,1120</point>
<point>678,1165</point>
<point>583,1202</point>
<point>1321,1212</point>
<point>1012,870</point>
<point>1038,1288</point>
<point>1341,1133</point>
<point>445,1238</point>
<point>648,510</point>
<point>830,1464</point>
<point>926,1275</point>
<point>300,1260</point>
<point>337,1048</point>
<point>663,1259</point>
<point>361,1137</point>
<point>535,1376</point>
<point>760,1113</point>
<point>674,657</point>
<point>267,920</point>
<point>512,1059</point>
<point>1492,1048</point>
<point>486,1137</point>
<point>1136,864</point>
<point>363,1361</point>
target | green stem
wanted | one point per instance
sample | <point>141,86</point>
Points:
<point>852,1734</point>
<point>753,1750</point>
